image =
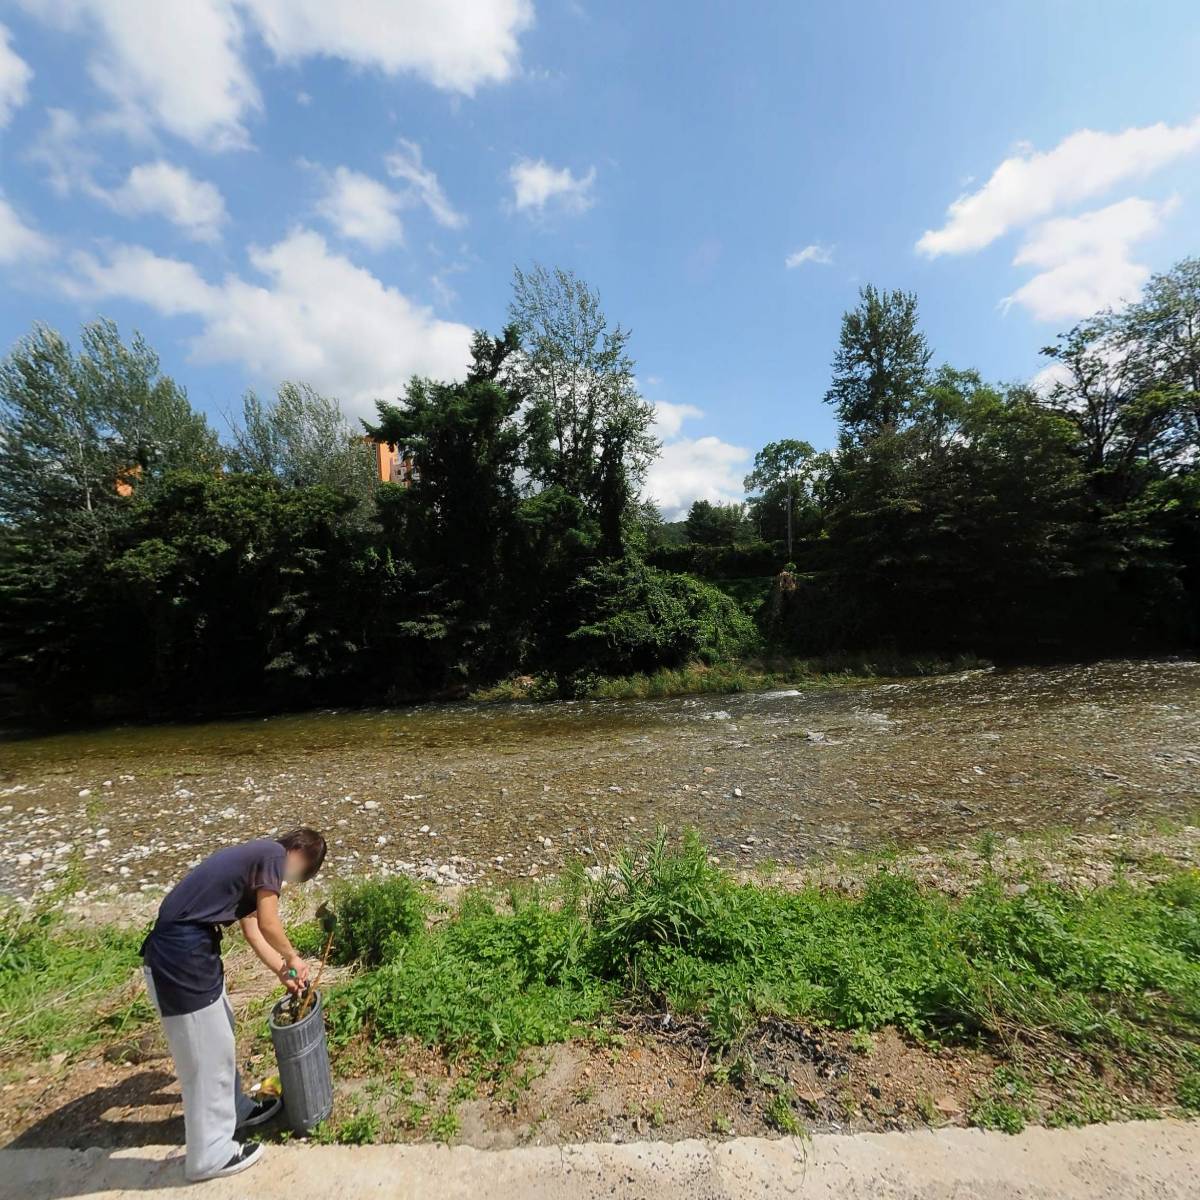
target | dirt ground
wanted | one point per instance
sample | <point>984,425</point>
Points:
<point>645,1078</point>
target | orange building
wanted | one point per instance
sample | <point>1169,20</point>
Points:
<point>126,479</point>
<point>395,464</point>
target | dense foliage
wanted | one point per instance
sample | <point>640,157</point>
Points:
<point>144,566</point>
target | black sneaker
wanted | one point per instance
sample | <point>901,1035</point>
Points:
<point>246,1156</point>
<point>260,1114</point>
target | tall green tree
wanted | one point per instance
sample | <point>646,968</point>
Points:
<point>1164,327</point>
<point>709,524</point>
<point>303,438</point>
<point>455,521</point>
<point>73,424</point>
<point>782,489</point>
<point>588,430</point>
<point>882,363</point>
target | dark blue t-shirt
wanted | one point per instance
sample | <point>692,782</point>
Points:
<point>183,950</point>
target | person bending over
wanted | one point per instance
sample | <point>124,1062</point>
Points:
<point>186,981</point>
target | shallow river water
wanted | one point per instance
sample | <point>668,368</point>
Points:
<point>456,792</point>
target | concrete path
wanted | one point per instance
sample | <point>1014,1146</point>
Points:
<point>1153,1159</point>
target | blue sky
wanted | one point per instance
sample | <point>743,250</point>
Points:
<point>338,193</point>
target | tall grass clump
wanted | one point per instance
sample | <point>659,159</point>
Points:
<point>376,919</point>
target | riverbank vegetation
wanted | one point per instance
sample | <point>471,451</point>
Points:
<point>146,567</point>
<point>740,675</point>
<point>998,998</point>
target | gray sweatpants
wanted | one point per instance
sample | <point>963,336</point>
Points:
<point>202,1045</point>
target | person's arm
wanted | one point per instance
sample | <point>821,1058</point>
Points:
<point>265,933</point>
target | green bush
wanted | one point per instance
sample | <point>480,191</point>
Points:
<point>484,982</point>
<point>638,618</point>
<point>375,919</point>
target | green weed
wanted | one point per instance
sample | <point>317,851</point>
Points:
<point>64,987</point>
<point>359,1130</point>
<point>376,919</point>
<point>780,1114</point>
<point>445,1125</point>
<point>1118,966</point>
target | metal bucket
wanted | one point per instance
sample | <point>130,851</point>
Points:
<point>303,1061</point>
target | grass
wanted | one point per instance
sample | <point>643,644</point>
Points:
<point>1108,976</point>
<point>1115,970</point>
<point>64,987</point>
<point>750,675</point>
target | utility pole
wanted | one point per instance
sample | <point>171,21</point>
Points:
<point>789,520</point>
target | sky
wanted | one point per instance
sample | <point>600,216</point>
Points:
<point>338,193</point>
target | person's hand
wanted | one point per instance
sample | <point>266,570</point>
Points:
<point>288,980</point>
<point>293,974</point>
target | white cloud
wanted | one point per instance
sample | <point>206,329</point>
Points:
<point>1084,262</point>
<point>361,208</point>
<point>1044,382</point>
<point>318,317</point>
<point>688,469</point>
<point>536,184</point>
<point>15,75</point>
<point>704,468</point>
<point>178,65</point>
<point>405,163</point>
<point>814,253</point>
<point>163,189</point>
<point>62,152</point>
<point>20,242</point>
<point>156,188</point>
<point>1028,185</point>
<point>171,63</point>
<point>669,418</point>
<point>454,44</point>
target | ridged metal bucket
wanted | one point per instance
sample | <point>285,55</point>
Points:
<point>303,1061</point>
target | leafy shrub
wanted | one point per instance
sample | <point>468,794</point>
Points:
<point>719,562</point>
<point>637,618</point>
<point>484,982</point>
<point>376,919</point>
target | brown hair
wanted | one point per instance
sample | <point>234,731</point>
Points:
<point>310,843</point>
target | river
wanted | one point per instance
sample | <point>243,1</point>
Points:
<point>461,792</point>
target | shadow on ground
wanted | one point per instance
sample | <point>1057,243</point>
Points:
<point>138,1110</point>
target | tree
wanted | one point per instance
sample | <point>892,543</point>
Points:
<point>956,531</point>
<point>1124,416</point>
<point>1164,325</point>
<point>711,524</point>
<point>781,489</point>
<point>456,520</point>
<point>881,365</point>
<point>75,426</point>
<point>303,438</point>
<point>211,588</point>
<point>588,431</point>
